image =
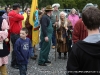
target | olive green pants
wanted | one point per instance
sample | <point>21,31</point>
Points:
<point>44,52</point>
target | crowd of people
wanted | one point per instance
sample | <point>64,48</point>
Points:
<point>58,29</point>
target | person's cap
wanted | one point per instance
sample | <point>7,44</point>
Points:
<point>56,5</point>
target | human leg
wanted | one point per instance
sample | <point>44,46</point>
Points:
<point>65,55</point>
<point>14,64</point>
<point>3,70</point>
<point>59,55</point>
<point>32,55</point>
<point>44,52</point>
<point>22,69</point>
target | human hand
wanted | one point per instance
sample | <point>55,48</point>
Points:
<point>56,23</point>
<point>6,40</point>
<point>46,39</point>
<point>66,28</point>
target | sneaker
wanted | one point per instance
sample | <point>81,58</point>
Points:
<point>34,58</point>
<point>35,55</point>
<point>15,66</point>
<point>48,62</point>
<point>59,57</point>
<point>42,64</point>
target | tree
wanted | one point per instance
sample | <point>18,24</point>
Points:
<point>43,3</point>
<point>2,3</point>
<point>78,4</point>
<point>22,2</point>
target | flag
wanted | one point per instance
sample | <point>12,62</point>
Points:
<point>34,21</point>
<point>23,21</point>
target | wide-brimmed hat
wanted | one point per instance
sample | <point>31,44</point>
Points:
<point>49,7</point>
<point>56,4</point>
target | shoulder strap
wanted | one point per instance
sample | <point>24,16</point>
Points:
<point>1,19</point>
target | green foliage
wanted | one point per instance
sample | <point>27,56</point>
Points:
<point>2,3</point>
<point>78,4</point>
<point>10,2</point>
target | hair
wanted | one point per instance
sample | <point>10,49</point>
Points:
<point>63,13</point>
<point>42,7</point>
<point>25,9</point>
<point>25,29</point>
<point>6,8</point>
<point>40,12</point>
<point>15,6</point>
<point>91,17</point>
<point>46,11</point>
<point>74,10</point>
<point>64,19</point>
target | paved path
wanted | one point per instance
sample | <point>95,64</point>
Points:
<point>57,67</point>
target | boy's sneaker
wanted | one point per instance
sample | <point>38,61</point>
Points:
<point>35,55</point>
<point>15,66</point>
<point>34,58</point>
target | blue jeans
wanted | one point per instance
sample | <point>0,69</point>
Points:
<point>32,53</point>
<point>23,69</point>
<point>40,44</point>
<point>54,38</point>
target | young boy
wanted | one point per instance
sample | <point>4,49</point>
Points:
<point>23,48</point>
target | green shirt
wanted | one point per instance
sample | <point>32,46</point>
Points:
<point>53,17</point>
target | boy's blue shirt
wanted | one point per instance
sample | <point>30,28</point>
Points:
<point>23,49</point>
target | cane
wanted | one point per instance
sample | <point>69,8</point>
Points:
<point>56,36</point>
